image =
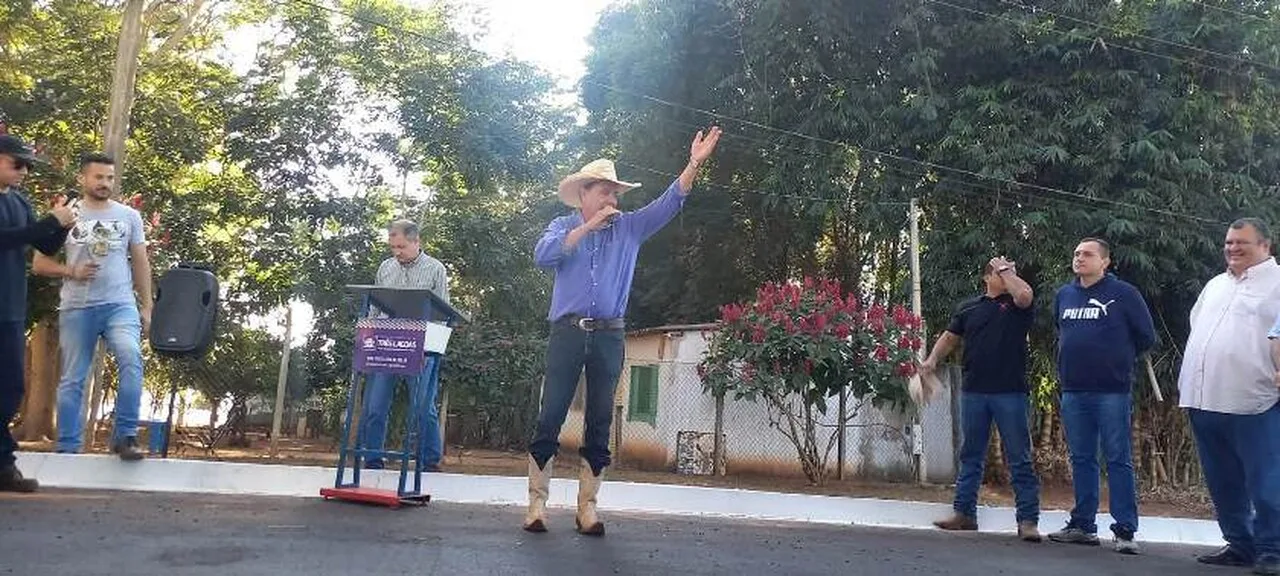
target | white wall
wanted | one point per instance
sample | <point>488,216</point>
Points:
<point>877,442</point>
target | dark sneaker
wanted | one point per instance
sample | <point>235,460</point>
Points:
<point>1226,556</point>
<point>1124,544</point>
<point>957,521</point>
<point>11,480</point>
<point>1073,535</point>
<point>127,449</point>
<point>1267,565</point>
<point>1029,532</point>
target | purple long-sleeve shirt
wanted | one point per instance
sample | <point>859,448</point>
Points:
<point>593,279</point>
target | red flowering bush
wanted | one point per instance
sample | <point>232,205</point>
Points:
<point>150,225</point>
<point>799,344</point>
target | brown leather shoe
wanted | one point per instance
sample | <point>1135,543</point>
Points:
<point>957,521</point>
<point>1029,532</point>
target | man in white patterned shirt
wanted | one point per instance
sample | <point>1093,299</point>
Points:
<point>1228,384</point>
<point>408,267</point>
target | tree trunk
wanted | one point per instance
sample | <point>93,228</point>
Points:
<point>123,82</point>
<point>42,385</point>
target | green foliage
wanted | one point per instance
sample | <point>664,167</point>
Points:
<point>1020,130</point>
<point>494,378</point>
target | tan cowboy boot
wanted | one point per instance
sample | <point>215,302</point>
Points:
<point>588,487</point>
<point>535,520</point>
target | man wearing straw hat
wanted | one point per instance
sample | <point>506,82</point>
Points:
<point>592,253</point>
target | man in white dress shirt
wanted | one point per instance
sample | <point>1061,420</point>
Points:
<point>1228,384</point>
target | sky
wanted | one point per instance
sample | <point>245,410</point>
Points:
<point>551,34</point>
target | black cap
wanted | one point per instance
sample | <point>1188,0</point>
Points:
<point>11,145</point>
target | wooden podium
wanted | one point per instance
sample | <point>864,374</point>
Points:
<point>408,338</point>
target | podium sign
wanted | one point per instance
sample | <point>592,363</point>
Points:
<point>390,345</point>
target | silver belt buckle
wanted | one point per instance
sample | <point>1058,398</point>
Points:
<point>582,324</point>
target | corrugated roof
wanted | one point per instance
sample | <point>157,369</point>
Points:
<point>672,328</point>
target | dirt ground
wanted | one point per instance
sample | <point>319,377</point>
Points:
<point>323,452</point>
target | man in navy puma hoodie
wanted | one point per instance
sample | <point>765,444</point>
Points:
<point>1103,325</point>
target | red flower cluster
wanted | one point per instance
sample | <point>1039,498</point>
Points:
<point>152,224</point>
<point>792,328</point>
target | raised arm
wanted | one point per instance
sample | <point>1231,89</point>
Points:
<point>648,220</point>
<point>1018,288</point>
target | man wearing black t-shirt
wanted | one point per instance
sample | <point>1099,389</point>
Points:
<point>994,329</point>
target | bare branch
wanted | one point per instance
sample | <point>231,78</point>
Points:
<point>152,11</point>
<point>180,34</point>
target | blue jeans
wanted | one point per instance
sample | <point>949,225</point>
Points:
<point>79,330</point>
<point>570,350</point>
<point>1009,413</point>
<point>380,390</point>
<point>1240,456</point>
<point>1088,417</point>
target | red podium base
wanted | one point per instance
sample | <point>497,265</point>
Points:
<point>373,496</point>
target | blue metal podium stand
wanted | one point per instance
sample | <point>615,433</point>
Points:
<point>409,312</point>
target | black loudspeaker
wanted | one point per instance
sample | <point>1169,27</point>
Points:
<point>186,312</point>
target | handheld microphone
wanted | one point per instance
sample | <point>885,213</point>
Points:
<point>73,201</point>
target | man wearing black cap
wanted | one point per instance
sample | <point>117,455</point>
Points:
<point>18,229</point>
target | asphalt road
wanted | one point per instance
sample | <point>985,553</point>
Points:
<point>72,533</point>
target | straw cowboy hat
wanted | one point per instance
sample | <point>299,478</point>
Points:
<point>572,186</point>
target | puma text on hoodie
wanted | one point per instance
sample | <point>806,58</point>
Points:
<point>1101,331</point>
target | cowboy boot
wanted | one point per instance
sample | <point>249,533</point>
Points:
<point>588,487</point>
<point>535,520</point>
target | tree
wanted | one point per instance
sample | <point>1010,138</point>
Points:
<point>1020,129</point>
<point>51,91</point>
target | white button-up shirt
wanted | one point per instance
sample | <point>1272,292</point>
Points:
<point>1227,367</point>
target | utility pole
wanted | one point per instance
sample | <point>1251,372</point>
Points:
<point>283,380</point>
<point>917,430</point>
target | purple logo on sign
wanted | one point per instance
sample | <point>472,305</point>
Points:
<point>389,350</point>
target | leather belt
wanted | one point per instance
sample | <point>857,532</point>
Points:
<point>592,324</point>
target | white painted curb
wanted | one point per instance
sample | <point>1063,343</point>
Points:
<point>201,476</point>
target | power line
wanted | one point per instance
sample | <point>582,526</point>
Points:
<point>925,163</point>
<point>1232,12</point>
<point>913,179</point>
<point>1079,36</point>
<point>780,195</point>
<point>1036,9</point>
<point>827,141</point>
